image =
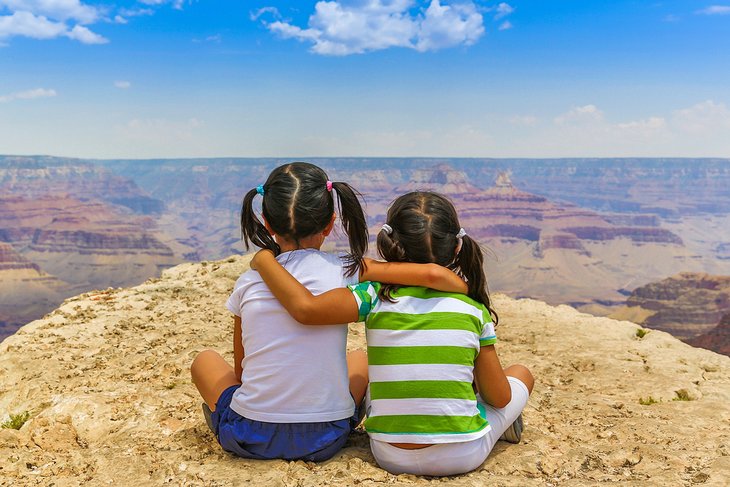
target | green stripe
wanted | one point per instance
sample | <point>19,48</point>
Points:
<point>421,424</point>
<point>487,341</point>
<point>426,293</point>
<point>421,355</point>
<point>442,389</point>
<point>442,320</point>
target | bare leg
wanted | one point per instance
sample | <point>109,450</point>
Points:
<point>522,373</point>
<point>357,370</point>
<point>212,375</point>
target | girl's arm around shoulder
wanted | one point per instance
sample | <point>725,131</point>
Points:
<point>330,308</point>
<point>490,378</point>
<point>432,276</point>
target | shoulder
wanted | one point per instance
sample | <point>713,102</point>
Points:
<point>311,258</point>
<point>445,301</point>
<point>248,277</point>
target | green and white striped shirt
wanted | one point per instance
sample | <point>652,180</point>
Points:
<point>421,353</point>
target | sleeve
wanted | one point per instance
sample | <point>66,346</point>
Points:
<point>233,304</point>
<point>488,336</point>
<point>366,296</point>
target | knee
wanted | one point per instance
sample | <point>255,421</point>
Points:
<point>200,359</point>
<point>522,373</point>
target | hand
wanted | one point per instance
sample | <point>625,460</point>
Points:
<point>259,256</point>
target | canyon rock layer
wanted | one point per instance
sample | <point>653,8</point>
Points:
<point>579,231</point>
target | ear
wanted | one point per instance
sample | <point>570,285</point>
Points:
<point>328,229</point>
<point>268,227</point>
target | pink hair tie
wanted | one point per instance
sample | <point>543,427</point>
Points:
<point>329,186</point>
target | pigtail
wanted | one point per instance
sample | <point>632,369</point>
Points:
<point>390,249</point>
<point>470,264</point>
<point>354,224</point>
<point>252,230</point>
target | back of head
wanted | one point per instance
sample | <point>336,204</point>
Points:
<point>423,227</point>
<point>298,203</point>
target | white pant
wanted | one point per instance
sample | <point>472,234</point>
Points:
<point>454,458</point>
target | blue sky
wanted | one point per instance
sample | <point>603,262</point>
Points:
<point>174,78</point>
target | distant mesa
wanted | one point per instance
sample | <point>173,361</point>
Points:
<point>692,306</point>
<point>40,176</point>
<point>441,178</point>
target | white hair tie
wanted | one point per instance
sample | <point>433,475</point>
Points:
<point>387,229</point>
<point>461,234</point>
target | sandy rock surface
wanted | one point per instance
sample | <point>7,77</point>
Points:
<point>105,379</point>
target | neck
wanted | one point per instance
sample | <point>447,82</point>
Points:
<point>311,242</point>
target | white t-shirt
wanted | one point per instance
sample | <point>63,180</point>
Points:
<point>292,373</point>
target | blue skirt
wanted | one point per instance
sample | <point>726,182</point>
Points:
<point>247,438</point>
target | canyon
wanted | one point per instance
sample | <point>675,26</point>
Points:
<point>586,232</point>
<point>70,227</point>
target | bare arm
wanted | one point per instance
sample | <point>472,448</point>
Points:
<point>238,352</point>
<point>489,376</point>
<point>330,308</point>
<point>431,276</point>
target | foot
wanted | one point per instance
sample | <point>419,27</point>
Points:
<point>514,432</point>
<point>208,419</point>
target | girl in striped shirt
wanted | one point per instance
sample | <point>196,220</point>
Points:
<point>438,398</point>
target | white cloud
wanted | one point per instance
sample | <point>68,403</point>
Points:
<point>341,28</point>
<point>59,10</point>
<point>125,13</point>
<point>176,4</point>
<point>26,24</point>
<point>715,10</point>
<point>449,26</point>
<point>580,115</point>
<point>85,36</point>
<point>524,120</point>
<point>122,85</point>
<point>47,19</point>
<point>506,25</point>
<point>503,10</point>
<point>704,118</point>
<point>254,15</point>
<point>28,95</point>
<point>644,126</point>
<point>695,131</point>
<point>135,12</point>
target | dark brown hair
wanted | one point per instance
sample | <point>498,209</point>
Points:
<point>297,203</point>
<point>424,230</point>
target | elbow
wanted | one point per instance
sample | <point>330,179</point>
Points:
<point>503,399</point>
<point>434,275</point>
<point>304,314</point>
<point>501,403</point>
